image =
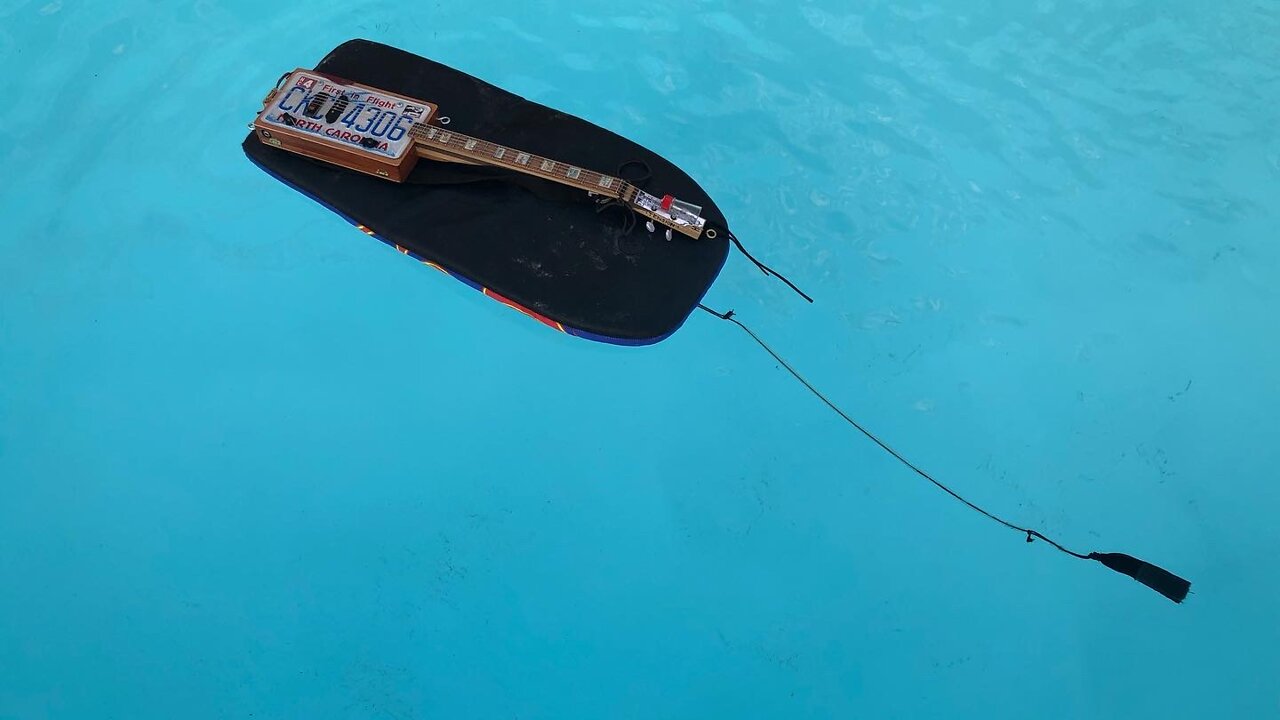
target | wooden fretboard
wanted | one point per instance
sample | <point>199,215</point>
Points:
<point>445,141</point>
<point>442,143</point>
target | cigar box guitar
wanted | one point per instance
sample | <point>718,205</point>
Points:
<point>385,134</point>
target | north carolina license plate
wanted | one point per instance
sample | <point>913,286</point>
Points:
<point>346,116</point>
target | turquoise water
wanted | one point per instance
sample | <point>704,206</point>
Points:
<point>254,464</point>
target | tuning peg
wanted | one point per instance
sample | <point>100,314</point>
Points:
<point>648,225</point>
<point>668,233</point>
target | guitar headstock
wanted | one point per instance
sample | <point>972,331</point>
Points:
<point>678,215</point>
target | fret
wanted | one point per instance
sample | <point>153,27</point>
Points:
<point>572,173</point>
<point>499,152</point>
<point>547,165</point>
<point>522,158</point>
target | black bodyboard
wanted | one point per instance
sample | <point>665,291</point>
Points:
<point>542,248</point>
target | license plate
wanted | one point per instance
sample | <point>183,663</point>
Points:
<point>346,116</point>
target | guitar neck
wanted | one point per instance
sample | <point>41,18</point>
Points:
<point>432,140</point>
<point>438,143</point>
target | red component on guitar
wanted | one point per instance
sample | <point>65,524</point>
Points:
<point>666,202</point>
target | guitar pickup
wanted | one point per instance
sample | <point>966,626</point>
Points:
<point>317,103</point>
<point>335,112</point>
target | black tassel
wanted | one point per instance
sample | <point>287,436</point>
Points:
<point>1156,578</point>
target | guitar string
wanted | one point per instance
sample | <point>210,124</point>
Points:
<point>418,127</point>
<point>419,131</point>
<point>456,143</point>
<point>559,169</point>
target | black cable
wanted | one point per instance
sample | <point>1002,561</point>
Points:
<point>629,214</point>
<point>1160,580</point>
<point>764,268</point>
<point>639,180</point>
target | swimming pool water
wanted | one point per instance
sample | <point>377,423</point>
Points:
<point>255,464</point>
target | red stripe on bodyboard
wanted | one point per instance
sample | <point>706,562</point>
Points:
<point>517,306</point>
